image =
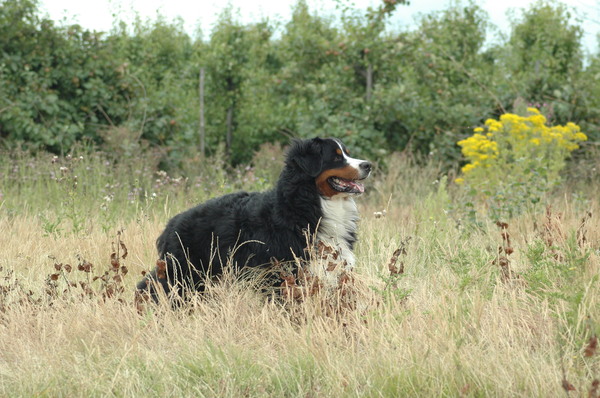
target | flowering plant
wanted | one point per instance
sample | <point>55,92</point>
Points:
<point>513,161</point>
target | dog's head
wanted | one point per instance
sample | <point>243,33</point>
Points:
<point>329,163</point>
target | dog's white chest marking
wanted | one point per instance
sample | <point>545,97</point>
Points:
<point>338,226</point>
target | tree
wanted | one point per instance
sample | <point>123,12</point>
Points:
<point>60,84</point>
<point>157,62</point>
<point>225,60</point>
<point>543,59</point>
<point>439,84</point>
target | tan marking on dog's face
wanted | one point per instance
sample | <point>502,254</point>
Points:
<point>346,172</point>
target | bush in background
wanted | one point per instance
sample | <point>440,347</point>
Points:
<point>356,77</point>
<point>514,161</point>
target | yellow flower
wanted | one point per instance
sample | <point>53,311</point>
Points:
<point>468,167</point>
<point>495,153</point>
<point>493,125</point>
<point>571,147</point>
<point>537,120</point>
<point>573,126</point>
<point>510,118</point>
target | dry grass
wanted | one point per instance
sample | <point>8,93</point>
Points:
<point>444,319</point>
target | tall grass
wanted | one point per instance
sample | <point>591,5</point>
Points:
<point>443,307</point>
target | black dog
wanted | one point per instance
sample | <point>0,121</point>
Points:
<point>313,194</point>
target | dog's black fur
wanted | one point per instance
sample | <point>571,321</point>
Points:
<point>253,228</point>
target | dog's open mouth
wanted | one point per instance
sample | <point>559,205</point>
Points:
<point>347,186</point>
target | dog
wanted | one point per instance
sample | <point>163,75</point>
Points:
<point>313,195</point>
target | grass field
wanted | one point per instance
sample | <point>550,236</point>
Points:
<point>471,310</point>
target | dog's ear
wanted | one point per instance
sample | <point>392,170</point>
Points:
<point>307,155</point>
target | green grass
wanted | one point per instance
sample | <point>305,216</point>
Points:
<point>467,317</point>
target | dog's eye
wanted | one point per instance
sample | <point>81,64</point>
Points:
<point>338,158</point>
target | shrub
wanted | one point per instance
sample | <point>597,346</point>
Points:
<point>514,161</point>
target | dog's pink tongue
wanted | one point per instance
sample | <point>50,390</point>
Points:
<point>358,187</point>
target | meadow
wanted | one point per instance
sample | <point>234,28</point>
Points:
<point>444,301</point>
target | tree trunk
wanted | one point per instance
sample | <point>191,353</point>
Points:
<point>369,82</point>
<point>202,131</point>
<point>229,136</point>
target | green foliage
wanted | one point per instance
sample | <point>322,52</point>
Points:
<point>380,89</point>
<point>59,85</point>
<point>545,64</point>
<point>239,64</point>
<point>445,82</point>
<point>544,49</point>
<point>157,62</point>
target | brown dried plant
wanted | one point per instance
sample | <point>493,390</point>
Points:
<point>504,252</point>
<point>66,283</point>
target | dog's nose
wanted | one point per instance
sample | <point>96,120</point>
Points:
<point>365,166</point>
